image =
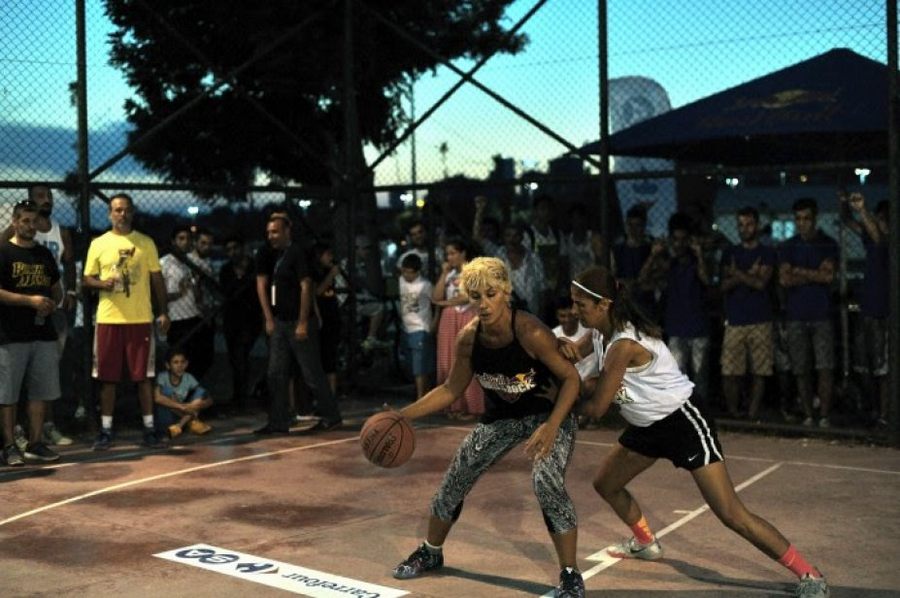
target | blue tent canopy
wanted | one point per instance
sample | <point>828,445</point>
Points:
<point>832,107</point>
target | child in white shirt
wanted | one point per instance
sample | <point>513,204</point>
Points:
<point>415,311</point>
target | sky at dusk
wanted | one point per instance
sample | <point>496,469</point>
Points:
<point>694,50</point>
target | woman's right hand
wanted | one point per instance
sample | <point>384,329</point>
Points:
<point>568,349</point>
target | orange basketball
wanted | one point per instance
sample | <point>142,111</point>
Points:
<point>387,439</point>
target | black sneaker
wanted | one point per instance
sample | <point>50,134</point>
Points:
<point>13,456</point>
<point>571,585</point>
<point>151,439</point>
<point>268,430</point>
<point>38,451</point>
<point>324,425</point>
<point>420,561</point>
<point>104,440</point>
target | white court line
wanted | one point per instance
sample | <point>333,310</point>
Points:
<point>170,474</point>
<point>605,560</point>
<point>843,467</point>
<point>696,512</point>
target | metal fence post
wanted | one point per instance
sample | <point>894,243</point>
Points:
<point>893,257</point>
<point>603,46</point>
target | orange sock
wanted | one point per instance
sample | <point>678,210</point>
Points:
<point>794,561</point>
<point>642,531</point>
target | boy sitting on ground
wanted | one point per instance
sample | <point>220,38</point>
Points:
<point>179,398</point>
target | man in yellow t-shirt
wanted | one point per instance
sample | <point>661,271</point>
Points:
<point>123,265</point>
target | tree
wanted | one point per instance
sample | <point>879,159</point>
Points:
<point>225,140</point>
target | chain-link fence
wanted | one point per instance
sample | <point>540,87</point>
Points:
<point>511,133</point>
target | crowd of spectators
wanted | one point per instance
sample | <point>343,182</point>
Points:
<point>746,320</point>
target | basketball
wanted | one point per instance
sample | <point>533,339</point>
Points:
<point>387,439</point>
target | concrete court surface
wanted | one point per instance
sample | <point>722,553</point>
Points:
<point>246,514</point>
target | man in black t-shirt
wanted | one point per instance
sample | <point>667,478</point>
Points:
<point>241,316</point>
<point>285,290</point>
<point>29,293</point>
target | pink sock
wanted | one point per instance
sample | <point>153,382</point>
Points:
<point>794,561</point>
<point>642,531</point>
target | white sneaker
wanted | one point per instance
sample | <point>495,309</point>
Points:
<point>20,439</point>
<point>812,587</point>
<point>630,549</point>
<point>53,436</point>
<point>809,422</point>
<point>80,413</point>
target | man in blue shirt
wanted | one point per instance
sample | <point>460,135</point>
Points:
<point>746,272</point>
<point>630,256</point>
<point>806,270</point>
<point>679,271</point>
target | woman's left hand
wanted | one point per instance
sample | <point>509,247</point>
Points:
<point>541,442</point>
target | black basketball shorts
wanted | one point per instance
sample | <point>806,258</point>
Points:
<point>686,437</point>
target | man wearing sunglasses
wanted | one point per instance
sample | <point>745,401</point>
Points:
<point>29,293</point>
<point>58,240</point>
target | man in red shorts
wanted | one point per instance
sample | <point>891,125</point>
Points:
<point>123,265</point>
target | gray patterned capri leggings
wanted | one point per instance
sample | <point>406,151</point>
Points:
<point>487,444</point>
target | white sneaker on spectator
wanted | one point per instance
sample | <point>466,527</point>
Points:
<point>53,436</point>
<point>824,423</point>
<point>20,439</point>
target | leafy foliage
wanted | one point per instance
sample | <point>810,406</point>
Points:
<point>225,140</point>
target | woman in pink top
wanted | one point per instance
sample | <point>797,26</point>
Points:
<point>456,312</point>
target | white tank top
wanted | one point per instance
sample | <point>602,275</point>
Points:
<point>587,366</point>
<point>652,391</point>
<point>52,240</point>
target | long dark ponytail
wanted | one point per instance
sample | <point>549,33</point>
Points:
<point>599,280</point>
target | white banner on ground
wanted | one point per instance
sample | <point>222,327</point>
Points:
<point>284,576</point>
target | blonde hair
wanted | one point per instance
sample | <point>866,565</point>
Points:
<point>484,272</point>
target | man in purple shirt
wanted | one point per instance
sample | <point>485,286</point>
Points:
<point>806,270</point>
<point>746,272</point>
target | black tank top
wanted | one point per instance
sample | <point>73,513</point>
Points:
<point>511,379</point>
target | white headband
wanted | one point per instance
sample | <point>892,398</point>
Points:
<point>587,290</point>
